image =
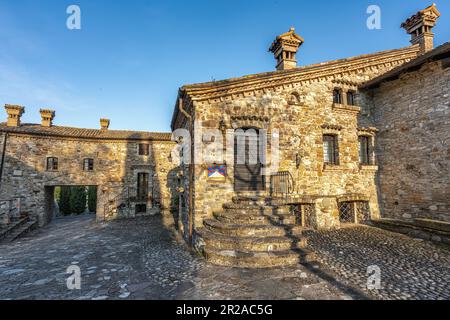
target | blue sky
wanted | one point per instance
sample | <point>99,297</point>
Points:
<point>130,57</point>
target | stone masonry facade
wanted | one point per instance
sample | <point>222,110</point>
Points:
<point>116,165</point>
<point>413,143</point>
<point>355,139</point>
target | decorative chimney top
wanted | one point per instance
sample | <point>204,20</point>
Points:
<point>284,48</point>
<point>47,116</point>
<point>104,124</point>
<point>14,113</point>
<point>420,27</point>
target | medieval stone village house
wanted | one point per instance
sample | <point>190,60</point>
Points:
<point>361,140</point>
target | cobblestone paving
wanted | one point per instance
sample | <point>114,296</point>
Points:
<point>410,268</point>
<point>141,259</point>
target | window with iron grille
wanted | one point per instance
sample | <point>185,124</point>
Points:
<point>330,150</point>
<point>346,212</point>
<point>337,96</point>
<point>351,210</point>
<point>144,149</point>
<point>362,211</point>
<point>52,164</point>
<point>88,164</point>
<point>364,150</point>
<point>351,95</point>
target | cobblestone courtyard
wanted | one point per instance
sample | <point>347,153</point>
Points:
<point>141,259</point>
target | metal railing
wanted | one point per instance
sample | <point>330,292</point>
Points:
<point>282,184</point>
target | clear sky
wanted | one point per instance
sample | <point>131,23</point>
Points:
<point>130,57</point>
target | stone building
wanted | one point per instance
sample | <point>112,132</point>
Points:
<point>332,130</point>
<point>131,170</point>
<point>261,157</point>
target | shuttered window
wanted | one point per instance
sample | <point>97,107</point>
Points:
<point>142,186</point>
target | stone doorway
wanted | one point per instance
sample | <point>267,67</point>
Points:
<point>69,200</point>
<point>249,156</point>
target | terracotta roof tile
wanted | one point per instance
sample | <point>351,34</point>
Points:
<point>81,133</point>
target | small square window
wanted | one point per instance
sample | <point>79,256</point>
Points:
<point>88,164</point>
<point>144,149</point>
<point>52,164</point>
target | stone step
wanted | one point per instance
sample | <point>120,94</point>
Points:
<point>245,208</point>
<point>256,218</point>
<point>19,231</point>
<point>244,230</point>
<point>15,224</point>
<point>248,259</point>
<point>255,244</point>
<point>250,200</point>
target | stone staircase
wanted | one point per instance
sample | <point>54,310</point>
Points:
<point>17,228</point>
<point>251,233</point>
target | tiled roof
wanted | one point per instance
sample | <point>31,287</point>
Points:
<point>438,53</point>
<point>328,65</point>
<point>268,79</point>
<point>80,133</point>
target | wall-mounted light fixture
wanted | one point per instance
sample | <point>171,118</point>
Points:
<point>222,126</point>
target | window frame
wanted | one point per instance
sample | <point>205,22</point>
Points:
<point>367,150</point>
<point>332,151</point>
<point>54,163</point>
<point>90,164</point>
<point>144,151</point>
<point>351,98</point>
<point>338,96</point>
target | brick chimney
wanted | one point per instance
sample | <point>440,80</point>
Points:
<point>14,113</point>
<point>104,124</point>
<point>284,49</point>
<point>420,27</point>
<point>47,117</point>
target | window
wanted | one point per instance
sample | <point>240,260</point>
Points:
<point>330,150</point>
<point>52,164</point>
<point>144,149</point>
<point>351,98</point>
<point>364,150</point>
<point>88,164</point>
<point>337,96</point>
<point>142,186</point>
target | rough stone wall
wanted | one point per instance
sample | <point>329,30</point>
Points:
<point>413,148</point>
<point>116,164</point>
<point>301,124</point>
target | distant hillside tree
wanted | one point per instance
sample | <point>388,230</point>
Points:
<point>64,201</point>
<point>92,199</point>
<point>78,200</point>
